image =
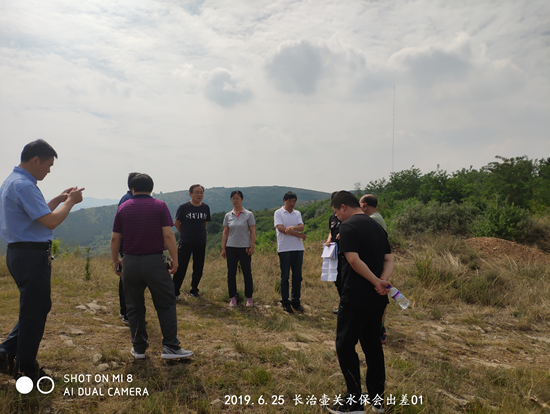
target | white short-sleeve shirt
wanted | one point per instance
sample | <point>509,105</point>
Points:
<point>286,243</point>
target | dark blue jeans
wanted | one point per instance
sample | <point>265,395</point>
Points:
<point>32,273</point>
<point>138,273</point>
<point>291,260</point>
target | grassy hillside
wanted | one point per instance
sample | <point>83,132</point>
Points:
<point>475,340</point>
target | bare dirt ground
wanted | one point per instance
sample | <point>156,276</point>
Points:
<point>492,248</point>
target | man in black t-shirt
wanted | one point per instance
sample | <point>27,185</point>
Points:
<point>191,219</point>
<point>366,268</point>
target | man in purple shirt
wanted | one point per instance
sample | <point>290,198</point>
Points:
<point>145,225</point>
<point>27,223</point>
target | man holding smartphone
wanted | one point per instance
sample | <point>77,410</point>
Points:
<point>27,223</point>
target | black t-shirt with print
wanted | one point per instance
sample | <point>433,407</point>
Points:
<point>193,222</point>
<point>364,236</point>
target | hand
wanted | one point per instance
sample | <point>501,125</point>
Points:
<point>173,267</point>
<point>302,236</point>
<point>328,242</point>
<point>289,230</point>
<point>338,236</point>
<point>382,287</point>
<point>250,251</point>
<point>75,195</point>
<point>224,254</point>
<point>63,196</point>
<point>116,267</point>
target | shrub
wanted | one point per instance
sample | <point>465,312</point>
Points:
<point>415,217</point>
<point>502,220</point>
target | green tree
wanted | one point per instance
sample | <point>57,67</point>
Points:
<point>513,179</point>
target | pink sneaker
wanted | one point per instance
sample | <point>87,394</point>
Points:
<point>233,301</point>
<point>249,302</point>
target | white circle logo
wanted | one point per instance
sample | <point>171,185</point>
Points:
<point>40,389</point>
<point>24,385</point>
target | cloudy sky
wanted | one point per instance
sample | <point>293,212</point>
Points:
<point>251,92</point>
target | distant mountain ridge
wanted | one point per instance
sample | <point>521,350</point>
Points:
<point>90,202</point>
<point>93,226</point>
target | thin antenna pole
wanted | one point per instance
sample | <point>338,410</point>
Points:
<point>393,132</point>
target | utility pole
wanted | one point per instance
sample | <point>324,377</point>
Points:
<point>393,132</point>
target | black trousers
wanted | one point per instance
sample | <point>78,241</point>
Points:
<point>184,255</point>
<point>363,325</point>
<point>31,271</point>
<point>234,255</point>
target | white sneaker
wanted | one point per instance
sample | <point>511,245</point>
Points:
<point>169,353</point>
<point>136,355</point>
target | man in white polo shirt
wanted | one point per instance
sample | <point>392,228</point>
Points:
<point>290,226</point>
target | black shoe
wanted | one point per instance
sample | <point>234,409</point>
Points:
<point>297,307</point>
<point>34,376</point>
<point>7,363</point>
<point>287,307</point>
<point>194,295</point>
<point>335,311</point>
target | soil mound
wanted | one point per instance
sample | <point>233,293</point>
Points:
<point>498,249</point>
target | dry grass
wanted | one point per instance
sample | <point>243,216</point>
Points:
<point>476,339</point>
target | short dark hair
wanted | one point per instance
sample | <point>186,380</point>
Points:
<point>344,197</point>
<point>289,195</point>
<point>142,183</point>
<point>236,192</point>
<point>38,148</point>
<point>370,200</point>
<point>130,177</point>
<point>192,188</point>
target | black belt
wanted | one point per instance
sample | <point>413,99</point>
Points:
<point>31,245</point>
<point>145,254</point>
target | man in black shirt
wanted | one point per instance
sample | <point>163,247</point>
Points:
<point>366,268</point>
<point>191,219</point>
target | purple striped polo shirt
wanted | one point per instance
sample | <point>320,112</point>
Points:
<point>140,221</point>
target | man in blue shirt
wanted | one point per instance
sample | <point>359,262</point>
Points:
<point>27,223</point>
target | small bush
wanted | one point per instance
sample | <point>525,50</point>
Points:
<point>415,217</point>
<point>502,220</point>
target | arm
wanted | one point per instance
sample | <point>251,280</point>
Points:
<point>177,223</point>
<point>299,228</point>
<point>329,239</point>
<point>250,250</point>
<point>115,247</point>
<point>225,236</point>
<point>292,230</point>
<point>55,218</point>
<point>170,242</point>
<point>389,265</point>
<point>363,270</point>
<point>54,202</point>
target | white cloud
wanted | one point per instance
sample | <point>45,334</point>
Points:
<point>220,87</point>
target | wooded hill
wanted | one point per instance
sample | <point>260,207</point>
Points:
<point>92,227</point>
